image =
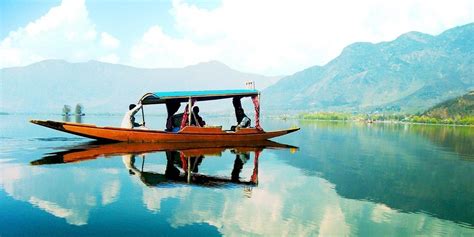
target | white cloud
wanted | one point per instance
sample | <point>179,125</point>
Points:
<point>156,49</point>
<point>277,37</point>
<point>65,32</point>
<point>110,192</point>
<point>109,41</point>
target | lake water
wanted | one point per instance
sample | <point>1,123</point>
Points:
<point>345,179</point>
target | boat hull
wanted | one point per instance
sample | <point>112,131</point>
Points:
<point>187,134</point>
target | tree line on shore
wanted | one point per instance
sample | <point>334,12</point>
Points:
<point>459,111</point>
<point>411,118</point>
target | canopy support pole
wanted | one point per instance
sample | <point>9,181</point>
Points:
<point>189,111</point>
<point>143,116</point>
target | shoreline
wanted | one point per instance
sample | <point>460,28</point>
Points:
<point>386,122</point>
<point>372,121</point>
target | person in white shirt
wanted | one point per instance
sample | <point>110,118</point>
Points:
<point>128,120</point>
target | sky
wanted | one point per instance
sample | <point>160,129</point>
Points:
<point>269,37</point>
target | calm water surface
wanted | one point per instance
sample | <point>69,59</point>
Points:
<point>345,179</point>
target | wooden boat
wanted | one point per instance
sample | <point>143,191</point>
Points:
<point>186,133</point>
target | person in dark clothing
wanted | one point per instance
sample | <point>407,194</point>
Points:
<point>243,121</point>
<point>197,120</point>
<point>172,107</point>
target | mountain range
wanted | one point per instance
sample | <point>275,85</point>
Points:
<point>409,74</point>
<point>46,86</point>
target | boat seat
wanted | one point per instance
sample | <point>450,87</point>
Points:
<point>213,126</point>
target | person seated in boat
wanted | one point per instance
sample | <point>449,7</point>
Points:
<point>172,106</point>
<point>128,120</point>
<point>174,124</point>
<point>196,119</point>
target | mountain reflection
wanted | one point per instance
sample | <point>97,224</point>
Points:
<point>409,168</point>
<point>455,138</point>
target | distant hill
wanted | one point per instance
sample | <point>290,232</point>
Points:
<point>410,74</point>
<point>459,106</point>
<point>102,87</point>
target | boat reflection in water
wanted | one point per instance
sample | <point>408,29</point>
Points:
<point>183,160</point>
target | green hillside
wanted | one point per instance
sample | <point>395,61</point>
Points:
<point>458,107</point>
<point>409,74</point>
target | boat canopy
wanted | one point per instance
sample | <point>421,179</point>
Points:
<point>183,96</point>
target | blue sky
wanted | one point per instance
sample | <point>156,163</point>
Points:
<point>106,14</point>
<point>264,36</point>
